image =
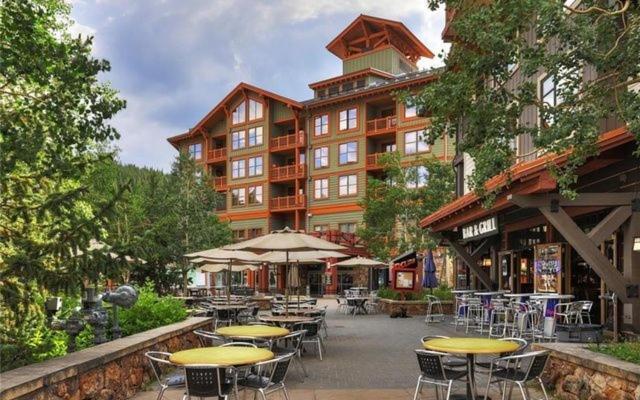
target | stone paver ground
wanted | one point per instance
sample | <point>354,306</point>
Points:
<point>367,357</point>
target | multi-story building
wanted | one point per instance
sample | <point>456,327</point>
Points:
<point>304,164</point>
<point>530,229</point>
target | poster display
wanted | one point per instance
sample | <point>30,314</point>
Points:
<point>547,271</point>
<point>405,280</point>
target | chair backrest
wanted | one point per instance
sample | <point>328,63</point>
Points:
<point>157,359</point>
<point>311,328</point>
<point>222,314</point>
<point>431,298</point>
<point>208,338</point>
<point>522,344</point>
<point>204,380</point>
<point>296,337</point>
<point>430,363</point>
<point>429,337</point>
<point>537,364</point>
<point>255,311</point>
<point>240,344</point>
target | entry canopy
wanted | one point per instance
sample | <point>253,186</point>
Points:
<point>361,262</point>
<point>285,240</point>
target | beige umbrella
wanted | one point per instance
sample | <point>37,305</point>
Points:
<point>221,255</point>
<point>286,240</point>
<point>362,262</point>
<point>302,257</point>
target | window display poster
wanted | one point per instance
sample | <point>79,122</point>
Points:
<point>404,280</point>
<point>548,268</point>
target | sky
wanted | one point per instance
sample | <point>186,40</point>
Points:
<point>174,60</point>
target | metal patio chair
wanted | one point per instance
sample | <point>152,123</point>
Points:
<point>157,359</point>
<point>433,371</point>
<point>519,370</point>
<point>313,335</point>
<point>269,377</point>
<point>210,381</point>
<point>292,343</point>
<point>208,339</point>
<point>434,309</point>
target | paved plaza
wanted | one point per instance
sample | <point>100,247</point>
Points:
<point>367,357</point>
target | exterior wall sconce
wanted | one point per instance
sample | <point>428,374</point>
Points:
<point>636,243</point>
<point>554,207</point>
<point>486,262</point>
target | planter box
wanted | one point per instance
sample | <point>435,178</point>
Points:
<point>413,307</point>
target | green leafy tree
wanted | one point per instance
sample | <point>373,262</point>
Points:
<point>474,90</point>
<point>53,125</point>
<point>393,207</point>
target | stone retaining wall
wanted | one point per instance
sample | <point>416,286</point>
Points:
<point>113,370</point>
<point>576,373</point>
<point>413,307</point>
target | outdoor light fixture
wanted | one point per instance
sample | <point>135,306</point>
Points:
<point>486,262</point>
<point>555,206</point>
<point>636,243</point>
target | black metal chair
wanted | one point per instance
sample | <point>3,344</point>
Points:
<point>269,377</point>
<point>157,359</point>
<point>522,345</point>
<point>519,370</point>
<point>210,381</point>
<point>291,343</point>
<point>313,334</point>
<point>223,317</point>
<point>449,362</point>
<point>433,371</point>
<point>249,315</point>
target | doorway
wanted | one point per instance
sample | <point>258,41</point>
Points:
<point>316,287</point>
<point>507,271</point>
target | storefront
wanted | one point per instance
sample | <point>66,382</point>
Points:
<point>533,240</point>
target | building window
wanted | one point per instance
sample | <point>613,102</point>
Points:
<point>255,194</point>
<point>348,227</point>
<point>238,235</point>
<point>321,125</point>
<point>321,189</point>
<point>255,110</point>
<point>549,95</point>
<point>255,166</point>
<point>237,169</point>
<point>238,115</point>
<point>238,197</point>
<point>254,233</point>
<point>320,228</point>
<point>414,142</point>
<point>195,151</point>
<point>321,157</point>
<point>348,119</point>
<point>348,185</point>
<point>348,153</point>
<point>237,140</point>
<point>410,111</point>
<point>255,136</point>
<point>417,177</point>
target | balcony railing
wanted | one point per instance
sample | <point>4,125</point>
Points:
<point>288,172</point>
<point>381,125</point>
<point>288,202</point>
<point>373,160</point>
<point>217,155</point>
<point>287,142</point>
<point>220,183</point>
<point>352,242</point>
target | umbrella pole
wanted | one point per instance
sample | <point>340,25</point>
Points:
<point>229,283</point>
<point>298,265</point>
<point>286,283</point>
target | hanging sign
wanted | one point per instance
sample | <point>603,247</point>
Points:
<point>548,268</point>
<point>480,229</point>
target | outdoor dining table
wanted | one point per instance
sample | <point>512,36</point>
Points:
<point>252,331</point>
<point>521,297</point>
<point>284,320</point>
<point>226,356</point>
<point>470,347</point>
<point>359,304</point>
<point>549,301</point>
<point>485,299</point>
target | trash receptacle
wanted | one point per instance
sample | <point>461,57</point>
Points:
<point>579,333</point>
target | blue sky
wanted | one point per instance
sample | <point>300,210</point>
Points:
<point>173,60</point>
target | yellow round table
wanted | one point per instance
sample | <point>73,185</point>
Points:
<point>470,347</point>
<point>252,331</point>
<point>227,356</point>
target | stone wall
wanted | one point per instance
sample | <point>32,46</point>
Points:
<point>413,307</point>
<point>575,373</point>
<point>110,371</point>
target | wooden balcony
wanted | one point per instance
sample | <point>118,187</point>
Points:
<point>373,160</point>
<point>289,203</point>
<point>350,241</point>
<point>287,142</point>
<point>217,155</point>
<point>288,172</point>
<point>220,183</point>
<point>382,125</point>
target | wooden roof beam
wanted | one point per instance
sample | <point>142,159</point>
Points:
<point>583,200</point>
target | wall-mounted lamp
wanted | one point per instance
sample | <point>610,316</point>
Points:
<point>555,206</point>
<point>486,262</point>
<point>636,243</point>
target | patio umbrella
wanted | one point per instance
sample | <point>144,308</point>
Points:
<point>429,279</point>
<point>286,240</point>
<point>362,262</point>
<point>223,255</point>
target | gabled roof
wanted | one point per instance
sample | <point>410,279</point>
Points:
<point>367,33</point>
<point>220,107</point>
<point>353,75</point>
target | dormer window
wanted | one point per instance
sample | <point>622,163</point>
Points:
<point>321,93</point>
<point>410,111</point>
<point>238,114</point>
<point>333,90</point>
<point>348,86</point>
<point>360,83</point>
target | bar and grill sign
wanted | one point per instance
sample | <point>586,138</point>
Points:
<point>480,229</point>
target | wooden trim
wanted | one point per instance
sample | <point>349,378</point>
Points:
<point>357,142</point>
<point>412,129</point>
<point>313,188</point>
<point>328,157</point>
<point>245,215</point>
<point>313,125</point>
<point>334,209</point>
<point>347,174</point>
<point>358,115</point>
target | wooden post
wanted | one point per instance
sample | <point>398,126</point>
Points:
<point>631,266</point>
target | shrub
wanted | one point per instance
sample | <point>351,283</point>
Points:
<point>388,293</point>
<point>150,311</point>
<point>627,351</point>
<point>443,292</point>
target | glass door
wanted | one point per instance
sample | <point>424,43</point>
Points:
<point>507,273</point>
